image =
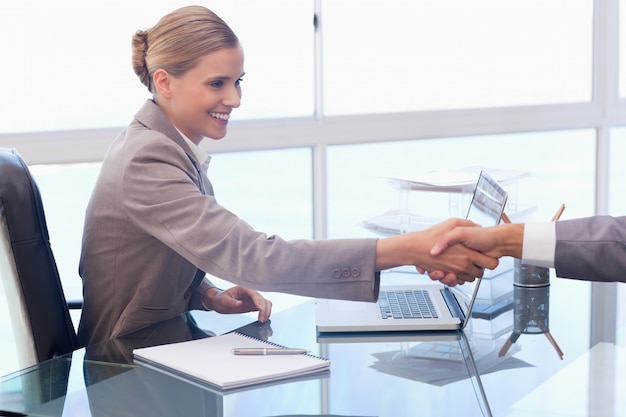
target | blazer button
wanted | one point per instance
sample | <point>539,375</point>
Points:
<point>345,273</point>
<point>336,273</point>
<point>356,272</point>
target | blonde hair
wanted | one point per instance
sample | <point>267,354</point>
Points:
<point>178,41</point>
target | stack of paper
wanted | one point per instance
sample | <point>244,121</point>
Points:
<point>457,180</point>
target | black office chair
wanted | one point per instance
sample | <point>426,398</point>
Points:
<point>37,305</point>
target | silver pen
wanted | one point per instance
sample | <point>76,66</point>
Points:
<point>268,351</point>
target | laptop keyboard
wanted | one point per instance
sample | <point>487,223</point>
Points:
<point>406,304</point>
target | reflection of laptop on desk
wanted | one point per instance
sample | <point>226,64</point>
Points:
<point>417,307</point>
<point>437,358</point>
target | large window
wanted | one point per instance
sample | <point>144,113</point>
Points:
<point>617,201</point>
<point>622,48</point>
<point>617,173</point>
<point>271,190</point>
<point>361,189</point>
<point>67,64</point>
<point>69,61</point>
<point>404,55</point>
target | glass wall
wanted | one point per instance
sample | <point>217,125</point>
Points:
<point>617,174</point>
<point>360,188</point>
<point>69,61</point>
<point>617,206</point>
<point>271,190</point>
<point>404,55</point>
<point>73,58</point>
<point>65,191</point>
<point>622,49</point>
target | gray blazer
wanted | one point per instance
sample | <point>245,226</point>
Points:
<point>591,248</point>
<point>152,225</point>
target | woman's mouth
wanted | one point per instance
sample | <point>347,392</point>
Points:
<point>220,116</point>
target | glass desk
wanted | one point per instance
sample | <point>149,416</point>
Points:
<point>409,374</point>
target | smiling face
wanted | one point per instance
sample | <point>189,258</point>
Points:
<point>199,102</point>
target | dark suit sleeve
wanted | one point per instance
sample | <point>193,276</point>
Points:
<point>591,248</point>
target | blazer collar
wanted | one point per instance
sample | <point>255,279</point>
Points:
<point>151,116</point>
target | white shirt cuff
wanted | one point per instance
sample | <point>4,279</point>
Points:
<point>539,244</point>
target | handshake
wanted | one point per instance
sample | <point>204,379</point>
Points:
<point>454,251</point>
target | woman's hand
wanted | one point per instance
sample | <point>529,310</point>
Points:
<point>237,300</point>
<point>495,241</point>
<point>457,263</point>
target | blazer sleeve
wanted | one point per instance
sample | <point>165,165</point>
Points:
<point>195,302</point>
<point>591,248</point>
<point>218,242</point>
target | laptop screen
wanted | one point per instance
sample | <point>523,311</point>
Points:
<point>488,201</point>
<point>486,209</point>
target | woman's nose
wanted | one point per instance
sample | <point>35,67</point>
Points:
<point>232,97</point>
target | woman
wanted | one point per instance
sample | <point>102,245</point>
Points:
<point>153,227</point>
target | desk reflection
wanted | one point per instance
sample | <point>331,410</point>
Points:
<point>435,358</point>
<point>457,373</point>
<point>128,390</point>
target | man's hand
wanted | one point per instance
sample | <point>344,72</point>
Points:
<point>414,249</point>
<point>497,241</point>
<point>460,262</point>
<point>237,300</point>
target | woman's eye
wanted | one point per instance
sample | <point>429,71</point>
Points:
<point>238,82</point>
<point>217,84</point>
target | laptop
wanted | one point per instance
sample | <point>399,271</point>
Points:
<point>428,306</point>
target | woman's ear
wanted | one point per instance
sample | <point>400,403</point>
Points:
<point>162,83</point>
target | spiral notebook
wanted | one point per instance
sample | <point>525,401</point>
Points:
<point>212,361</point>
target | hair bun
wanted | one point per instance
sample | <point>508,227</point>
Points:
<point>139,53</point>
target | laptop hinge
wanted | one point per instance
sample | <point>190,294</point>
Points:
<point>453,304</point>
